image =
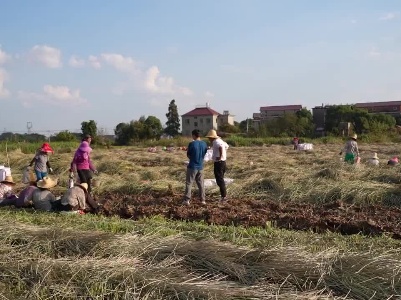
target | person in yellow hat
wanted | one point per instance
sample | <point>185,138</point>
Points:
<point>219,158</point>
<point>374,160</point>
<point>43,198</point>
<point>6,187</point>
<point>22,199</point>
<point>77,199</point>
<point>351,150</point>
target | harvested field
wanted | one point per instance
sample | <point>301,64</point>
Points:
<point>298,225</point>
<point>336,217</point>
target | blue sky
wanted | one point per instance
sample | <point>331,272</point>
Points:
<point>63,62</point>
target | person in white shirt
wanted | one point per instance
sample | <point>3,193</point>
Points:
<point>374,160</point>
<point>219,158</point>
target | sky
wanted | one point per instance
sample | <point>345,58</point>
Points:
<point>64,62</point>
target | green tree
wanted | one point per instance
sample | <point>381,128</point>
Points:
<point>90,128</point>
<point>228,128</point>
<point>173,120</point>
<point>64,136</point>
<point>361,120</point>
<point>123,134</point>
<point>153,128</point>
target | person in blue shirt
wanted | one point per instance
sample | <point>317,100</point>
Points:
<point>196,152</point>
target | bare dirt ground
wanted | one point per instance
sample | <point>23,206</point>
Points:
<point>336,217</point>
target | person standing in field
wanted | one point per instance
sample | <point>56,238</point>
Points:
<point>351,150</point>
<point>82,162</point>
<point>295,142</point>
<point>41,162</point>
<point>196,152</point>
<point>219,158</point>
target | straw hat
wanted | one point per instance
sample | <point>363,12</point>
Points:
<point>46,183</point>
<point>354,136</point>
<point>375,156</point>
<point>83,185</point>
<point>212,134</point>
<point>8,179</point>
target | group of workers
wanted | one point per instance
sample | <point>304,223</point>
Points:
<point>352,154</point>
<point>77,198</point>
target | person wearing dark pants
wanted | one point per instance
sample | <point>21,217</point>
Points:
<point>219,158</point>
<point>219,171</point>
<point>196,152</point>
<point>83,164</point>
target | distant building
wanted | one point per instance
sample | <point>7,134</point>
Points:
<point>268,113</point>
<point>319,119</point>
<point>256,121</point>
<point>225,118</point>
<point>389,107</point>
<point>204,118</point>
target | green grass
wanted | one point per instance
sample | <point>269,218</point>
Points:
<point>66,256</point>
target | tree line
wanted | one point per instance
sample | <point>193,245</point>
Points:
<point>289,125</point>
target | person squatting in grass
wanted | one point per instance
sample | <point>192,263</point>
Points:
<point>82,162</point>
<point>77,199</point>
<point>351,150</point>
<point>196,152</point>
<point>219,158</point>
<point>42,198</point>
<point>41,161</point>
<point>6,187</point>
<point>22,200</point>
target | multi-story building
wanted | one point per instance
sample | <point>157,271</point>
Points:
<point>255,121</point>
<point>225,118</point>
<point>389,107</point>
<point>319,119</point>
<point>204,118</point>
<point>268,113</point>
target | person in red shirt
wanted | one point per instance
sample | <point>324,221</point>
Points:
<point>295,142</point>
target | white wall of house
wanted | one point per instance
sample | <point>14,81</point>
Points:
<point>203,123</point>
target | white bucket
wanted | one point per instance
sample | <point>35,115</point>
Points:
<point>4,171</point>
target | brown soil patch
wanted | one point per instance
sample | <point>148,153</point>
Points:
<point>336,217</point>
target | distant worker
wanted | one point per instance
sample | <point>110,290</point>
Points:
<point>196,152</point>
<point>295,142</point>
<point>393,161</point>
<point>40,162</point>
<point>219,158</point>
<point>374,160</point>
<point>351,150</point>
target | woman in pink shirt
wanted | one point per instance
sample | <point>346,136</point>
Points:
<point>82,162</point>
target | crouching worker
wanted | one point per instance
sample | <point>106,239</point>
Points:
<point>393,161</point>
<point>77,199</point>
<point>42,198</point>
<point>22,200</point>
<point>6,188</point>
<point>374,160</point>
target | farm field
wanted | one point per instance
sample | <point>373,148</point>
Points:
<point>299,225</point>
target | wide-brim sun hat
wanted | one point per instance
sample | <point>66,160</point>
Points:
<point>212,134</point>
<point>9,180</point>
<point>83,185</point>
<point>354,136</point>
<point>46,183</point>
<point>375,156</point>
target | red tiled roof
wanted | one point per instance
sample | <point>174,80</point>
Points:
<point>201,111</point>
<point>282,107</point>
<point>376,104</point>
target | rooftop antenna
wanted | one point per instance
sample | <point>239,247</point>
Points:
<point>29,126</point>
